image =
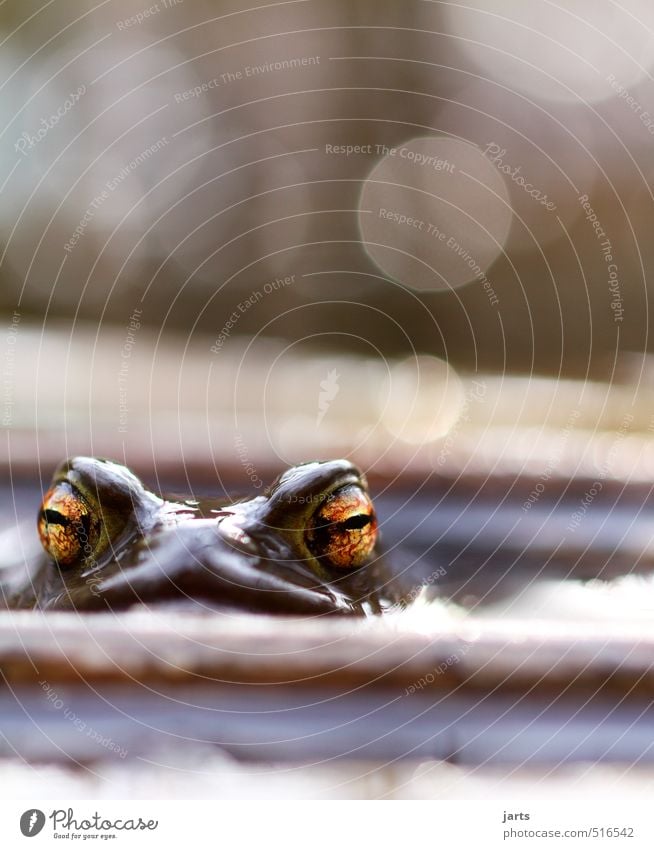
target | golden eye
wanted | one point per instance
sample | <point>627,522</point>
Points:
<point>68,530</point>
<point>344,530</point>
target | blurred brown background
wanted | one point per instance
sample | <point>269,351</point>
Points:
<point>201,199</point>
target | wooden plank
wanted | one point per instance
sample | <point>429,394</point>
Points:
<point>401,651</point>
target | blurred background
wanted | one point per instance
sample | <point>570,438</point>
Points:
<point>244,236</point>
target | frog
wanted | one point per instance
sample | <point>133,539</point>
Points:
<point>308,544</point>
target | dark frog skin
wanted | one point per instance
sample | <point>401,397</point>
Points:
<point>307,546</point>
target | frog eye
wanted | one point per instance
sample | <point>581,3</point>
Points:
<point>68,529</point>
<point>343,531</point>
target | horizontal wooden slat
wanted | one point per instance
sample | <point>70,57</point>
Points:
<point>397,651</point>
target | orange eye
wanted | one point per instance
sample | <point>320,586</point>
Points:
<point>69,533</point>
<point>344,530</point>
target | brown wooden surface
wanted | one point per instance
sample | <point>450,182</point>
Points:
<point>396,652</point>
